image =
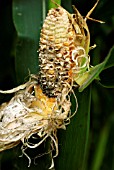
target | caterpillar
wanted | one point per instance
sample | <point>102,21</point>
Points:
<point>42,105</point>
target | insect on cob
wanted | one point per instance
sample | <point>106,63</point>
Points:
<point>42,105</point>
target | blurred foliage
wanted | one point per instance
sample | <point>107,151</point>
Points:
<point>100,150</point>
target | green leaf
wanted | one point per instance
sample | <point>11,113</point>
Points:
<point>53,3</point>
<point>86,78</point>
<point>107,76</point>
<point>73,141</point>
<point>110,62</point>
<point>27,18</point>
<point>101,148</point>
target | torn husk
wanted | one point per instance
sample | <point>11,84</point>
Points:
<point>32,112</point>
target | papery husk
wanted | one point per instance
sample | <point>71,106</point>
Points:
<point>32,112</point>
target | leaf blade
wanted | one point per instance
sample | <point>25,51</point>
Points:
<point>27,16</point>
<point>73,142</point>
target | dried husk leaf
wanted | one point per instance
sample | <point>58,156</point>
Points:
<point>30,112</point>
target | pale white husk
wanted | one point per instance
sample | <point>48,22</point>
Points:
<point>31,112</point>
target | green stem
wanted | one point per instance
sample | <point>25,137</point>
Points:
<point>43,10</point>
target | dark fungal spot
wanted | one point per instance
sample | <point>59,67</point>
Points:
<point>57,9</point>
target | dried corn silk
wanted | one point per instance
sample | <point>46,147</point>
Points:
<point>42,105</point>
